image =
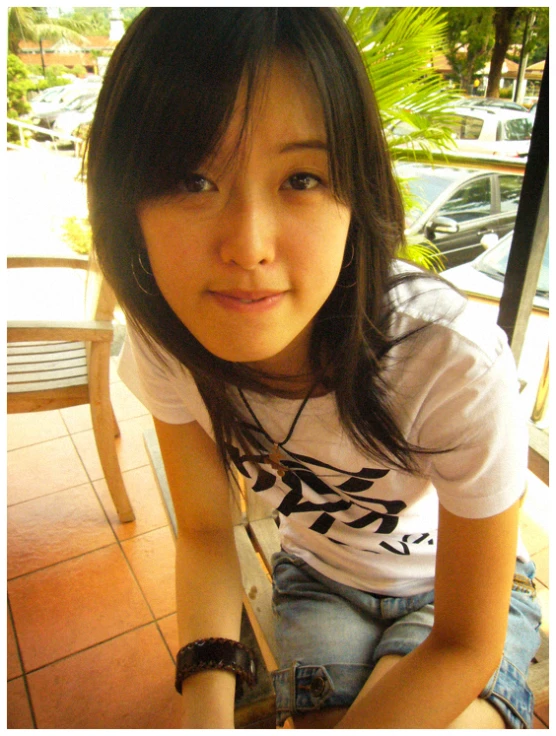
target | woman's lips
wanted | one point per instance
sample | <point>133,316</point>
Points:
<point>247,301</point>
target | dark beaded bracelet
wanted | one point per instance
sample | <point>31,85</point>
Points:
<point>215,654</point>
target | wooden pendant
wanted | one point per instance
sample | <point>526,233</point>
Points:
<point>275,458</point>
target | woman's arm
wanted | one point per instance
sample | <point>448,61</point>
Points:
<point>431,686</point>
<point>208,579</point>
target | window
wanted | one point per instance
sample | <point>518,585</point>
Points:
<point>510,191</point>
<point>518,129</point>
<point>469,202</point>
<point>470,128</point>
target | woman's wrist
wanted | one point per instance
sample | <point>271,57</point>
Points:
<point>215,653</point>
<point>208,700</point>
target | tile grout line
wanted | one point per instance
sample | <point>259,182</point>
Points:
<point>132,571</point>
<point>157,624</point>
<point>95,646</point>
<point>117,542</point>
<point>23,672</point>
<point>62,562</point>
<point>88,483</point>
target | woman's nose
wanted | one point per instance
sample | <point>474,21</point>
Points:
<point>248,235</point>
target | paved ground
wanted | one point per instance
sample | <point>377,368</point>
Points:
<point>42,191</point>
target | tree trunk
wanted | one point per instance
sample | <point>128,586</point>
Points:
<point>521,84</point>
<point>503,18</point>
<point>42,58</point>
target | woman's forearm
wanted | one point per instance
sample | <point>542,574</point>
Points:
<point>209,598</point>
<point>428,688</point>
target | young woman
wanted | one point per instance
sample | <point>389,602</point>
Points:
<point>244,210</point>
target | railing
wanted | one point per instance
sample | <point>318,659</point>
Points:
<point>21,125</point>
<point>506,164</point>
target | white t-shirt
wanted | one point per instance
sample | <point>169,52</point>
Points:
<point>350,517</point>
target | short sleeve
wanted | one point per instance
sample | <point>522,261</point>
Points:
<point>156,379</point>
<point>474,411</point>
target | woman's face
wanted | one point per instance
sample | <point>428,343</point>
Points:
<point>247,253</point>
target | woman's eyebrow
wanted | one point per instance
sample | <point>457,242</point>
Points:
<point>310,143</point>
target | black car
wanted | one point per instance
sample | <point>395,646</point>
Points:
<point>454,208</point>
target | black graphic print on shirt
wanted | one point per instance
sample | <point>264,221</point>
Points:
<point>381,514</point>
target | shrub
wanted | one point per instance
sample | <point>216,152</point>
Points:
<point>76,232</point>
<point>18,84</point>
<point>57,75</point>
<point>78,71</point>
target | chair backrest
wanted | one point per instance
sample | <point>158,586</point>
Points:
<point>100,300</point>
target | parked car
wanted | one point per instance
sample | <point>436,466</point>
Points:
<point>484,276</point>
<point>46,98</point>
<point>483,281</point>
<point>45,113</point>
<point>492,131</point>
<point>492,102</point>
<point>68,122</point>
<point>455,208</point>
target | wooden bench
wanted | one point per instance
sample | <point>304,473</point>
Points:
<point>257,539</point>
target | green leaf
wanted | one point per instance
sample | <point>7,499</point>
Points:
<point>399,55</point>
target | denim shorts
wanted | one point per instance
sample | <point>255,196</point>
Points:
<point>330,637</point>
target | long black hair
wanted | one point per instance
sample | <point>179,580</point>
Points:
<point>167,98</point>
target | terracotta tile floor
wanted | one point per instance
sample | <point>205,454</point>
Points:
<point>91,606</point>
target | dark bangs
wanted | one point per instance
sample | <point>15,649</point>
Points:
<point>172,82</point>
<point>169,91</point>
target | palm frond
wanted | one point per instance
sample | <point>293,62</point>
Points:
<point>399,58</point>
<point>424,254</point>
<point>24,25</point>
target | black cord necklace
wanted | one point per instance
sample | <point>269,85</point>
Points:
<point>275,458</point>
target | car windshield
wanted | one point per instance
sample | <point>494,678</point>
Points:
<point>518,129</point>
<point>495,262</point>
<point>49,94</point>
<point>423,190</point>
<point>77,103</point>
<point>87,103</point>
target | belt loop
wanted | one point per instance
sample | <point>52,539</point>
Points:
<point>523,584</point>
<point>293,687</point>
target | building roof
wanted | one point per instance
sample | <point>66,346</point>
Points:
<point>64,53</point>
<point>93,43</point>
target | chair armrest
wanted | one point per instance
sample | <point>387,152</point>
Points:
<point>48,262</point>
<point>84,331</point>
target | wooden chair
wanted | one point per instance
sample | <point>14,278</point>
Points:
<point>257,538</point>
<point>53,365</point>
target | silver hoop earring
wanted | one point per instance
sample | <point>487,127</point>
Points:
<point>346,265</point>
<point>146,272</point>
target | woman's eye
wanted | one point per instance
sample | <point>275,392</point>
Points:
<point>196,184</point>
<point>302,182</point>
